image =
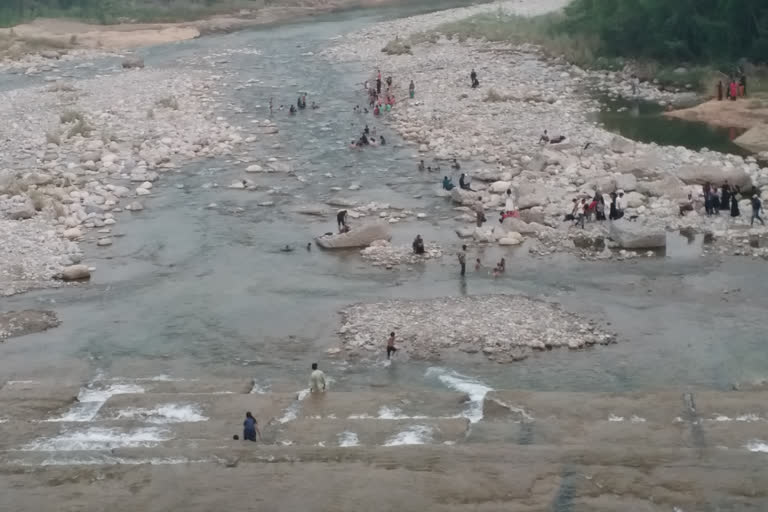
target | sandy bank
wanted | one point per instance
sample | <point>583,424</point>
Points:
<point>743,113</point>
<point>45,33</point>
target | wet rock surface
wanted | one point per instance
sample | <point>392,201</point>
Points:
<point>78,151</point>
<point>20,323</point>
<point>384,254</point>
<point>504,328</point>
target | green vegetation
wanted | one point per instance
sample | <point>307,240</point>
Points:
<point>545,31</point>
<point>170,103</point>
<point>711,37</point>
<point>674,31</point>
<point>397,47</point>
<point>13,12</point>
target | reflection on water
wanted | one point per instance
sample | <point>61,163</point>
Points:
<point>643,121</point>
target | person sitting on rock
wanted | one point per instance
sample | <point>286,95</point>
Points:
<point>421,166</point>
<point>418,245</point>
<point>447,183</point>
<point>315,106</point>
<point>544,138</point>
<point>687,205</point>
<point>455,165</point>
<point>292,110</point>
<point>382,141</point>
<point>464,182</point>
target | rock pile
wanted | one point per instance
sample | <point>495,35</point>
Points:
<point>384,254</point>
<point>72,157</point>
<point>502,327</point>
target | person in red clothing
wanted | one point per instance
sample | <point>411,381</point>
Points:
<point>734,90</point>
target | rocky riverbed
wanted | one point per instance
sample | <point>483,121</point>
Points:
<point>503,328</point>
<point>77,154</point>
<point>493,131</point>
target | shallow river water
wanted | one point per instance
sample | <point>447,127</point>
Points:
<point>195,291</point>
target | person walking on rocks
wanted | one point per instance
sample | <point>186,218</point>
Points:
<point>735,212</point>
<point>341,220</point>
<point>316,380</point>
<point>473,78</point>
<point>412,89</point>
<point>463,259</point>
<point>251,428</point>
<point>391,349</point>
<point>757,208</point>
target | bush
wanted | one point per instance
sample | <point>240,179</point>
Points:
<point>397,47</point>
<point>53,137</point>
<point>81,128</point>
<point>71,116</point>
<point>38,200</point>
<point>494,97</point>
<point>170,102</point>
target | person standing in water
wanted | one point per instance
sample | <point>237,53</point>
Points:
<point>316,380</point>
<point>270,107</point>
<point>251,428</point>
<point>463,259</point>
<point>391,349</point>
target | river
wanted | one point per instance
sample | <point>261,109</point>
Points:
<point>192,290</point>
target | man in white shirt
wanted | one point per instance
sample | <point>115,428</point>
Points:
<point>620,203</point>
<point>316,380</point>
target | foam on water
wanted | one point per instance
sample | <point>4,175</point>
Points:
<point>91,398</point>
<point>757,446</point>
<point>417,434</point>
<point>103,459</point>
<point>395,413</point>
<point>292,412</point>
<point>615,418</point>
<point>743,417</point>
<point>167,413</point>
<point>100,438</point>
<point>472,387</point>
<point>348,438</point>
<point>258,388</point>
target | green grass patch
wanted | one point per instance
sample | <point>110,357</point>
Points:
<point>544,31</point>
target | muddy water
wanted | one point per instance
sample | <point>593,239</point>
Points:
<point>193,290</point>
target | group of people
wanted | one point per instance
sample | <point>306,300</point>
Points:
<point>717,199</point>
<point>500,267</point>
<point>368,139</point>
<point>583,211</point>
<point>384,102</point>
<point>734,89</point>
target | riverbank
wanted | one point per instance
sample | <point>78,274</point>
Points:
<point>32,39</point>
<point>81,153</point>
<point>493,131</point>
